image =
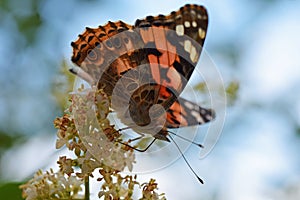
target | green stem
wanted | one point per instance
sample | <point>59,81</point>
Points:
<point>87,188</point>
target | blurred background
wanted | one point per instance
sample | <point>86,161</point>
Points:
<point>255,43</point>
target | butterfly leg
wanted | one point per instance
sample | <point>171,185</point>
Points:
<point>137,138</point>
<point>145,149</point>
<point>136,149</point>
<point>134,139</point>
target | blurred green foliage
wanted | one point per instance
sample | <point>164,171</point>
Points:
<point>232,92</point>
<point>27,20</point>
<point>4,5</point>
<point>8,140</point>
<point>10,191</point>
<point>298,131</point>
<point>29,23</point>
<point>201,87</point>
<point>62,85</point>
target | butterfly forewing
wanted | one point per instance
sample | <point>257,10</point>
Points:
<point>173,44</point>
<point>191,21</point>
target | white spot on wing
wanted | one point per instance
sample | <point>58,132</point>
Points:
<point>187,24</point>
<point>178,17</point>
<point>202,111</point>
<point>193,12</point>
<point>187,45</point>
<point>193,54</point>
<point>169,21</point>
<point>197,116</point>
<point>180,30</point>
<point>208,117</point>
<point>194,24</point>
<point>189,105</point>
<point>201,33</point>
<point>203,17</point>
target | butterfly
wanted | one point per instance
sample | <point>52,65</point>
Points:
<point>147,64</point>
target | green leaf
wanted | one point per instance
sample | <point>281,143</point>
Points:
<point>11,191</point>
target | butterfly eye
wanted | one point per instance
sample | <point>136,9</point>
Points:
<point>92,54</point>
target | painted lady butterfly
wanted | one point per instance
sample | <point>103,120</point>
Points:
<point>167,47</point>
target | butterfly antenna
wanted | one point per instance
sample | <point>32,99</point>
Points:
<point>186,161</point>
<point>183,138</point>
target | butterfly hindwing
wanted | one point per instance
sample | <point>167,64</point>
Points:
<point>186,113</point>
